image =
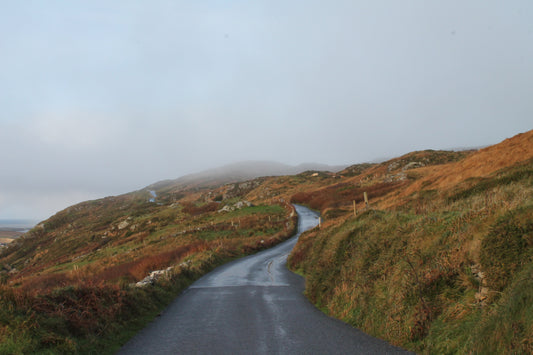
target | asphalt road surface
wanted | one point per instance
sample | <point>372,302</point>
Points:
<point>253,305</point>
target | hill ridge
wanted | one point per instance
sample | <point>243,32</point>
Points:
<point>422,221</point>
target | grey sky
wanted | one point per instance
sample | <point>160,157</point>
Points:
<point>103,97</point>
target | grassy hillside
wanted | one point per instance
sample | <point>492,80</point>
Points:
<point>69,285</point>
<point>441,262</point>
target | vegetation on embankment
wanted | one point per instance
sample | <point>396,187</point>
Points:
<point>69,285</point>
<point>439,271</point>
<point>439,263</point>
<point>98,317</point>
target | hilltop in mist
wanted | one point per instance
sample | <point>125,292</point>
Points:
<point>443,248</point>
<point>242,171</point>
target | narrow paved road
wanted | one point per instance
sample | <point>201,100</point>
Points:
<point>253,305</point>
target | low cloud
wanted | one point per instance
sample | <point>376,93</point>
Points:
<point>104,98</point>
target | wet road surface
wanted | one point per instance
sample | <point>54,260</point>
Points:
<point>253,305</point>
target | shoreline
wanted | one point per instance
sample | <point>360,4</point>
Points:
<point>10,234</point>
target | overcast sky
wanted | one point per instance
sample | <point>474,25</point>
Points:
<point>101,98</point>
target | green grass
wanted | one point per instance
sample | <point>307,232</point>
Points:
<point>67,304</point>
<point>508,328</point>
<point>406,276</point>
<point>272,210</point>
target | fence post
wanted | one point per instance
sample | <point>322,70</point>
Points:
<point>366,199</point>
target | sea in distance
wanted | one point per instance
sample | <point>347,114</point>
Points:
<point>17,225</point>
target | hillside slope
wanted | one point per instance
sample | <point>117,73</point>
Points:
<point>442,263</point>
<point>439,259</point>
<point>480,164</point>
<point>89,276</point>
<point>238,172</point>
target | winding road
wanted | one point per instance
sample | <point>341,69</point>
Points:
<point>253,305</point>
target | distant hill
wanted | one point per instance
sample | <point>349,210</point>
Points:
<point>241,171</point>
<point>438,261</point>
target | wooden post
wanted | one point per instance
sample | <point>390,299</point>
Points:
<point>366,199</point>
<point>354,210</point>
<point>319,221</point>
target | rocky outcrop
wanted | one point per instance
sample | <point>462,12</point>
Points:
<point>123,224</point>
<point>483,291</point>
<point>153,277</point>
<point>240,189</point>
<point>236,206</point>
<point>413,165</point>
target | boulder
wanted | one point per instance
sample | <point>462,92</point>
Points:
<point>123,224</point>
<point>236,206</point>
<point>413,165</point>
<point>153,277</point>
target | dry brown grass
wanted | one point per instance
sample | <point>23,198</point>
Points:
<point>482,163</point>
<point>194,210</point>
<point>406,273</point>
<point>340,195</point>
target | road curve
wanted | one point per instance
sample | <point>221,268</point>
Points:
<point>253,305</point>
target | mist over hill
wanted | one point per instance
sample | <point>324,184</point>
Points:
<point>242,171</point>
<point>443,232</point>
